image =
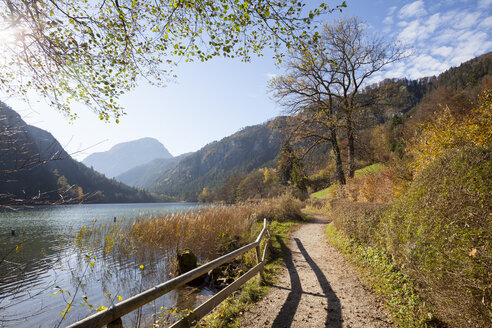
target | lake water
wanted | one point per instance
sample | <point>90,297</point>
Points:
<point>42,258</point>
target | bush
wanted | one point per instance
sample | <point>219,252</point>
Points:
<point>359,221</point>
<point>440,231</point>
<point>287,207</point>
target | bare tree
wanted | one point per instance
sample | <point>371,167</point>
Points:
<point>357,56</point>
<point>307,92</point>
<point>322,90</point>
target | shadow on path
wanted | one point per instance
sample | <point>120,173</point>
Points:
<point>334,312</point>
<point>286,314</point>
<point>288,310</point>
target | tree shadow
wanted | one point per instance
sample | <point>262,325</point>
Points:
<point>286,314</point>
<point>289,308</point>
<point>334,311</point>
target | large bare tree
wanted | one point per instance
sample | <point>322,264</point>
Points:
<point>357,57</point>
<point>322,89</point>
<point>306,92</point>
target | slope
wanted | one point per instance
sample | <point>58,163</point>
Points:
<point>127,155</point>
<point>34,168</point>
<point>251,148</point>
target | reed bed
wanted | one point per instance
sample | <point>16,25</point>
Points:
<point>208,231</point>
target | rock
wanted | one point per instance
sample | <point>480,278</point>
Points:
<point>187,261</point>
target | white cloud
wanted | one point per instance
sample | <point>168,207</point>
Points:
<point>391,10</point>
<point>441,35</point>
<point>466,20</point>
<point>410,33</point>
<point>271,76</point>
<point>412,9</point>
<point>484,4</point>
<point>445,36</point>
<point>425,65</point>
<point>419,30</point>
<point>442,51</point>
<point>388,20</point>
<point>471,44</point>
<point>486,23</point>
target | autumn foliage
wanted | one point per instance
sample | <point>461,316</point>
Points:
<point>434,216</point>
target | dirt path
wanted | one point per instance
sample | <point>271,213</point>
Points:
<point>317,288</point>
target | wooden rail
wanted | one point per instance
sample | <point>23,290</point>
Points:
<point>112,315</point>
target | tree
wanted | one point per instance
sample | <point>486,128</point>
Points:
<point>93,51</point>
<point>322,87</point>
<point>306,92</point>
<point>291,168</point>
<point>356,57</point>
<point>285,163</point>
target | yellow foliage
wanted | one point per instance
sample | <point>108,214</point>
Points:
<point>447,131</point>
<point>269,175</point>
<point>80,192</point>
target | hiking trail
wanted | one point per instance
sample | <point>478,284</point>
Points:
<point>318,288</point>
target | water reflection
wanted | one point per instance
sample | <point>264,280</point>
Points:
<point>43,258</point>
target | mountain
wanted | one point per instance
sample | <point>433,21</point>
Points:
<point>127,155</point>
<point>34,168</point>
<point>251,148</point>
<point>145,174</point>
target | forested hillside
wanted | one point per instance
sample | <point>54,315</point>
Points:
<point>251,148</point>
<point>146,174</point>
<point>34,168</point>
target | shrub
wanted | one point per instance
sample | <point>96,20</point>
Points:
<point>440,231</point>
<point>287,207</point>
<point>360,221</point>
<point>448,131</point>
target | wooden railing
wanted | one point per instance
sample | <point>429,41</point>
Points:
<point>111,317</point>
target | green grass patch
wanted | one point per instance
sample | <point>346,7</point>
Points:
<point>368,169</point>
<point>227,314</point>
<point>324,193</point>
<point>404,305</point>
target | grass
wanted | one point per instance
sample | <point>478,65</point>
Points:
<point>368,169</point>
<point>380,272</point>
<point>323,193</point>
<point>332,190</point>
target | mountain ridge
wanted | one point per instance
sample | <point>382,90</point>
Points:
<point>126,155</point>
<point>36,169</point>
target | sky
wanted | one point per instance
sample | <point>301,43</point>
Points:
<point>209,101</point>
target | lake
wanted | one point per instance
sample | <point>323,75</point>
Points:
<point>42,267</point>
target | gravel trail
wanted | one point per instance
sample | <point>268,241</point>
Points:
<point>318,288</point>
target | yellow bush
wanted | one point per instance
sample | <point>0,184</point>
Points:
<point>448,131</point>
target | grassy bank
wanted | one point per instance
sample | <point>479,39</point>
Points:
<point>382,275</point>
<point>436,232</point>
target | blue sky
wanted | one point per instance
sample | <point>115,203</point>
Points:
<point>209,101</point>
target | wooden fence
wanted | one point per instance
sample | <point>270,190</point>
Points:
<point>111,317</point>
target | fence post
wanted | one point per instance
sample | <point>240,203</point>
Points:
<point>258,260</point>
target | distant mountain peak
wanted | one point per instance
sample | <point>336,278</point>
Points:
<point>127,155</point>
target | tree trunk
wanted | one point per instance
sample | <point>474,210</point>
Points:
<point>351,149</point>
<point>338,158</point>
